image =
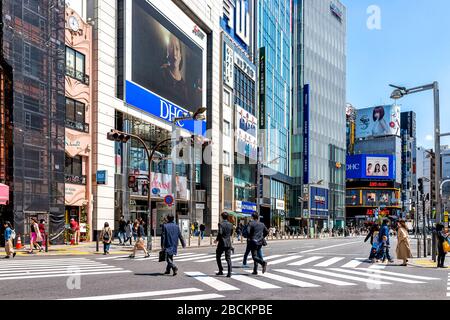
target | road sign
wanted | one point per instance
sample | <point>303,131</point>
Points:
<point>168,200</point>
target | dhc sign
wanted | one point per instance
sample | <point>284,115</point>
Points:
<point>161,108</point>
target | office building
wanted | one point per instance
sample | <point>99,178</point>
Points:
<point>409,148</point>
<point>319,108</point>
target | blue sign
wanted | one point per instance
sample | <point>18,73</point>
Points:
<point>319,202</point>
<point>240,30</point>
<point>102,177</point>
<point>375,167</point>
<point>246,207</point>
<point>163,109</point>
<point>306,107</point>
<point>168,200</point>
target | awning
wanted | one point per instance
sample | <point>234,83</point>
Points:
<point>239,215</point>
<point>4,194</point>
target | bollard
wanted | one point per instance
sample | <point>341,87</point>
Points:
<point>419,243</point>
<point>210,240</point>
<point>429,246</point>
<point>189,241</point>
<point>199,240</point>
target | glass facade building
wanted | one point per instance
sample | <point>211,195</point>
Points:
<point>274,34</point>
<point>33,45</point>
<point>319,106</point>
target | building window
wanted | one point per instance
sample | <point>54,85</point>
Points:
<point>76,65</point>
<point>226,98</point>
<point>226,158</point>
<point>75,115</point>
<point>226,128</point>
<point>74,170</point>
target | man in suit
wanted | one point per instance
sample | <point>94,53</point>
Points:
<point>257,234</point>
<point>224,244</point>
<point>169,242</point>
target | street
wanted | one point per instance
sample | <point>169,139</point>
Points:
<point>325,269</point>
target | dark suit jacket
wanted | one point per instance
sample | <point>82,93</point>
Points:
<point>224,235</point>
<point>257,232</point>
<point>169,238</point>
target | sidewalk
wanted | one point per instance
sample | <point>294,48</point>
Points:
<point>89,248</point>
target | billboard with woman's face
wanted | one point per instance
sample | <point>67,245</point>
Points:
<point>378,121</point>
<point>377,167</point>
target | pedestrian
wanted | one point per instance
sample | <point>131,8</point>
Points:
<point>169,243</point>
<point>245,234</point>
<point>129,232</point>
<point>134,230</point>
<point>257,234</point>
<point>403,245</point>
<point>122,231</point>
<point>35,236</point>
<point>384,232</point>
<point>41,226</point>
<point>106,237</point>
<point>224,245</point>
<point>442,237</point>
<point>140,242</point>
<point>75,228</point>
<point>239,231</point>
<point>9,237</point>
<point>202,230</point>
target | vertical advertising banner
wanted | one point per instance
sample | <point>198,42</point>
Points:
<point>306,107</point>
<point>246,133</point>
<point>262,88</point>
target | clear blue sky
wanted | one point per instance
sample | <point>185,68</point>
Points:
<point>412,48</point>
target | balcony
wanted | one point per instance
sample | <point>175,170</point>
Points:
<point>79,126</point>
<point>75,179</point>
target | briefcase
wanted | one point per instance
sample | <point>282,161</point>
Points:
<point>162,255</point>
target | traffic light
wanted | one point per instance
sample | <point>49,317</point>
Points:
<point>132,182</point>
<point>421,186</point>
<point>118,136</point>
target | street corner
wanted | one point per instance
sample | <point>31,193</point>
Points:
<point>423,263</point>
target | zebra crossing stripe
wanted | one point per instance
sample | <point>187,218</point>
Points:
<point>47,261</point>
<point>249,258</point>
<point>377,266</point>
<point>348,277</point>
<point>112,258</point>
<point>64,275</point>
<point>354,263</point>
<point>375,274</point>
<point>41,266</point>
<point>402,275</point>
<point>305,261</point>
<point>212,282</point>
<point>199,256</point>
<point>196,297</point>
<point>316,278</point>
<point>290,281</point>
<point>254,282</point>
<point>51,270</point>
<point>138,294</point>
<point>329,262</point>
<point>279,261</point>
<point>223,259</point>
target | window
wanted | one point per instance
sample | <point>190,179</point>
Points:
<point>74,170</point>
<point>226,128</point>
<point>75,65</point>
<point>226,158</point>
<point>75,115</point>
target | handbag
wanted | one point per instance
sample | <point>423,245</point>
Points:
<point>162,255</point>
<point>446,246</point>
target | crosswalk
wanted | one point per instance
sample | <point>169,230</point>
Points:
<point>52,268</point>
<point>307,278</point>
<point>291,260</point>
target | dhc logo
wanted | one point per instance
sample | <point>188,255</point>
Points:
<point>170,112</point>
<point>354,166</point>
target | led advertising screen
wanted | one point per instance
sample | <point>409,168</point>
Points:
<point>165,61</point>
<point>376,167</point>
<point>378,121</point>
<point>246,134</point>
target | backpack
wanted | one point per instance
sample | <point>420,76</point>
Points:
<point>106,235</point>
<point>13,234</point>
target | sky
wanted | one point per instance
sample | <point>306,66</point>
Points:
<point>411,48</point>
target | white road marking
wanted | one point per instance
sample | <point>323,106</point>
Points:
<point>284,260</point>
<point>305,261</point>
<point>375,274</point>
<point>377,266</point>
<point>354,263</point>
<point>334,246</point>
<point>287,280</point>
<point>199,256</point>
<point>54,270</point>
<point>196,297</point>
<point>62,275</point>
<point>138,294</point>
<point>329,262</point>
<point>344,276</point>
<point>212,282</point>
<point>254,282</point>
<point>223,259</point>
<point>401,275</point>
<point>317,278</point>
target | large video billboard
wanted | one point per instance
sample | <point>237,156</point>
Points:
<point>376,167</point>
<point>378,121</point>
<point>246,134</point>
<point>165,61</point>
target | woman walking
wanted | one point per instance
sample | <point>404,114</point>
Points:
<point>106,236</point>
<point>140,243</point>
<point>35,236</point>
<point>129,232</point>
<point>43,243</point>
<point>403,245</point>
<point>442,237</point>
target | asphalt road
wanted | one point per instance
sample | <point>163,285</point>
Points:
<point>325,269</point>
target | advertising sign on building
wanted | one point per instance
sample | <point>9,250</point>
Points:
<point>246,133</point>
<point>319,201</point>
<point>280,205</point>
<point>377,167</point>
<point>237,22</point>
<point>378,121</point>
<point>245,207</point>
<point>170,81</point>
<point>306,106</point>
<point>262,88</point>
<point>161,185</point>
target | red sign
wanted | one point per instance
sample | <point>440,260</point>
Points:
<point>168,200</point>
<point>379,185</point>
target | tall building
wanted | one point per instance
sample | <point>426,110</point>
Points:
<point>319,106</point>
<point>409,149</point>
<point>274,34</point>
<point>445,154</point>
<point>238,108</point>
<point>426,172</point>
<point>32,151</point>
